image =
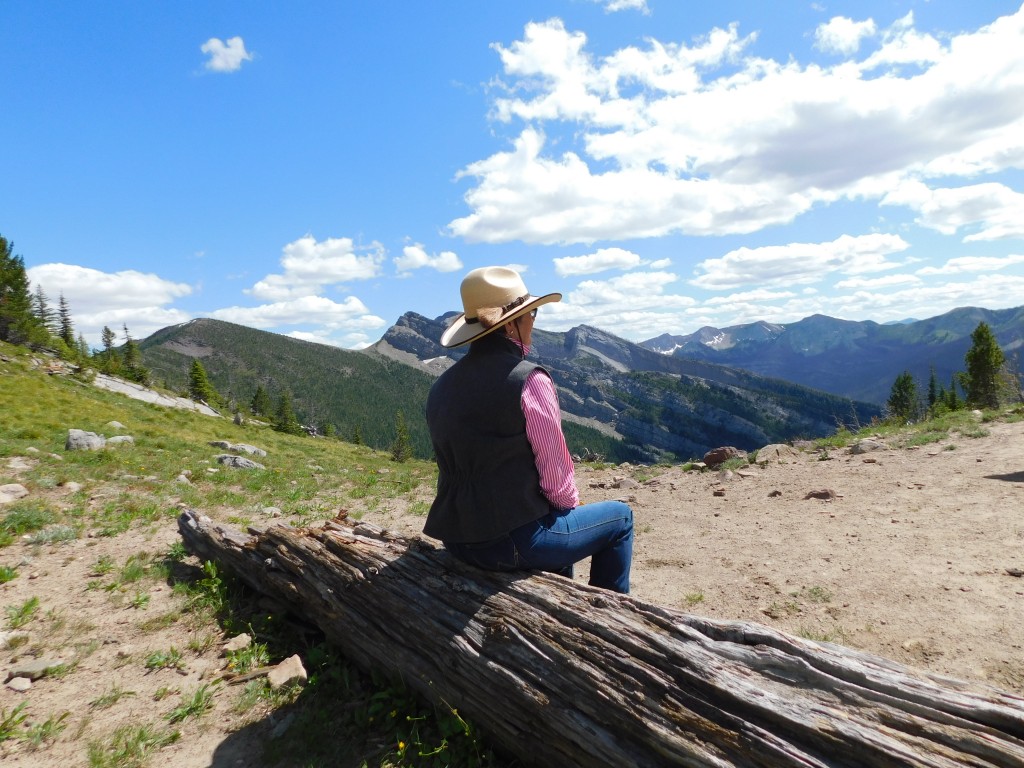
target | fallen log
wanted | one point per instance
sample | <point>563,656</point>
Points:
<point>562,674</point>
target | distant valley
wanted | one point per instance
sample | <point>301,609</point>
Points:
<point>669,398</point>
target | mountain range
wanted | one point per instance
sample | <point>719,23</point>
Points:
<point>859,360</point>
<point>668,398</point>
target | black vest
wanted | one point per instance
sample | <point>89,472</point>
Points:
<point>487,481</point>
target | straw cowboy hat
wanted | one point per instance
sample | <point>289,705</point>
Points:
<point>491,297</point>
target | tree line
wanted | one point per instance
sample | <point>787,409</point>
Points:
<point>989,381</point>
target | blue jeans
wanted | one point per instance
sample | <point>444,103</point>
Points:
<point>602,531</point>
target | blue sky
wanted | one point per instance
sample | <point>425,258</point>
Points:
<point>319,168</point>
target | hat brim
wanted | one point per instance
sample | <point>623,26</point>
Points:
<point>460,332</point>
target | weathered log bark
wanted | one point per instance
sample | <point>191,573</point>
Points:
<point>562,674</point>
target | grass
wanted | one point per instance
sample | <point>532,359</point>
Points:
<point>7,573</point>
<point>129,746</point>
<point>196,705</point>
<point>170,659</point>
<point>110,698</point>
<point>20,615</point>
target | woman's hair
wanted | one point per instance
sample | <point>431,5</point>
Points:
<point>489,316</point>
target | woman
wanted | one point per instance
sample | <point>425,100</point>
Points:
<point>506,490</point>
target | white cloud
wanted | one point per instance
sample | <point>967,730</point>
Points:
<point>799,263</point>
<point>309,266</point>
<point>306,310</point>
<point>602,259</point>
<point>842,35</point>
<point>112,299</point>
<point>611,6</point>
<point>225,56</point>
<point>415,257</point>
<point>992,211</point>
<point>973,264</point>
<point>710,139</point>
<point>887,281</point>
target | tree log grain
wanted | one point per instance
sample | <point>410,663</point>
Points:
<point>561,674</point>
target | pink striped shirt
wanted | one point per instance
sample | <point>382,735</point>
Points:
<point>544,431</point>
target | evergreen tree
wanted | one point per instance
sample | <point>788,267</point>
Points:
<point>67,330</point>
<point>199,387</point>
<point>82,348</point>
<point>984,365</point>
<point>952,399</point>
<point>44,312</point>
<point>902,402</point>
<point>18,325</point>
<point>109,360</point>
<point>329,430</point>
<point>933,389</point>
<point>357,435</point>
<point>261,405</point>
<point>401,449</point>
<point>284,418</point>
<point>131,364</point>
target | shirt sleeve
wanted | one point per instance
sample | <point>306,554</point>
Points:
<point>544,431</point>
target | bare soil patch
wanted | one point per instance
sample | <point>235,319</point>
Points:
<point>917,556</point>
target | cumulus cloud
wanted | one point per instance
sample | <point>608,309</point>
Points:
<point>974,264</point>
<point>799,263</point>
<point>310,265</point>
<point>225,56</point>
<point>601,260</point>
<point>416,257</point>
<point>327,315</point>
<point>842,35</point>
<point>710,138</point>
<point>112,299</point>
<point>611,6</point>
<point>991,211</point>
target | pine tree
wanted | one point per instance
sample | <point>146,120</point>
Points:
<point>357,435</point>
<point>67,330</point>
<point>109,360</point>
<point>902,403</point>
<point>284,418</point>
<point>401,449</point>
<point>261,405</point>
<point>18,325</point>
<point>199,387</point>
<point>82,348</point>
<point>953,401</point>
<point>131,364</point>
<point>933,389</point>
<point>329,430</point>
<point>984,365</point>
<point>44,312</point>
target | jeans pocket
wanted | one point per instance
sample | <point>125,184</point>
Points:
<point>498,554</point>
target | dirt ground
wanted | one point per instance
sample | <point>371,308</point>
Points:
<point>916,556</point>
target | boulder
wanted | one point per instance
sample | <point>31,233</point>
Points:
<point>79,440</point>
<point>238,462</point>
<point>778,453</point>
<point>717,456</point>
<point>12,492</point>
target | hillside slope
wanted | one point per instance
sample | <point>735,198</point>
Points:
<point>859,360</point>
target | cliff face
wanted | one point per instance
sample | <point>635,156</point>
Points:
<point>656,402</point>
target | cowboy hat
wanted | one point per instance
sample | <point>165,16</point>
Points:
<point>498,292</point>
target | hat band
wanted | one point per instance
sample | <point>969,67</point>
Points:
<point>504,310</point>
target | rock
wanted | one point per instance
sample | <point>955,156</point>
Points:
<point>775,494</point>
<point>280,728</point>
<point>288,672</point>
<point>11,638</point>
<point>222,444</point>
<point>121,440</point>
<point>777,452</point>
<point>625,482</point>
<point>19,684</point>
<point>718,492</point>
<point>12,492</point>
<point>717,456</point>
<point>867,445</point>
<point>825,493</point>
<point>272,511</point>
<point>71,486</point>
<point>20,464</point>
<point>33,669</point>
<point>79,440</point>
<point>183,479</point>
<point>115,425</point>
<point>239,421</point>
<point>252,450</point>
<point>237,643</point>
<point>238,462</point>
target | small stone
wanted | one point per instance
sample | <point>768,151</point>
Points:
<point>11,638</point>
<point>286,722</point>
<point>33,669</point>
<point>288,672</point>
<point>237,643</point>
<point>718,492</point>
<point>115,425</point>
<point>12,492</point>
<point>121,440</point>
<point>238,462</point>
<point>19,684</point>
<point>272,511</point>
<point>71,486</point>
<point>79,440</point>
